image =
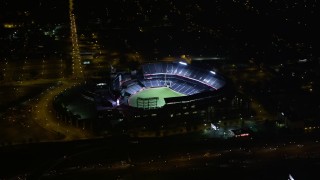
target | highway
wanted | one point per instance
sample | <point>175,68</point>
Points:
<point>43,111</point>
<point>206,158</point>
<point>44,115</point>
<point>77,70</point>
<point>175,158</point>
<point>37,114</point>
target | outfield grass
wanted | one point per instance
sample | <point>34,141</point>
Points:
<point>162,92</point>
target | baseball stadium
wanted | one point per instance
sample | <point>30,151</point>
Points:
<point>164,83</point>
<point>159,97</point>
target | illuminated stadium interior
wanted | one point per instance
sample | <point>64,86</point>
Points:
<point>168,80</point>
<point>145,98</point>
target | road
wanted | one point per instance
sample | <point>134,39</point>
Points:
<point>44,115</point>
<point>37,110</point>
<point>77,70</point>
<point>145,159</point>
<point>43,111</point>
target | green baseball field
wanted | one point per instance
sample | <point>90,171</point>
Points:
<point>145,95</point>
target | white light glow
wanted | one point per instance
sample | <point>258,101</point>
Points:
<point>213,127</point>
<point>290,177</point>
<point>101,84</point>
<point>212,72</point>
<point>183,63</point>
<point>302,60</point>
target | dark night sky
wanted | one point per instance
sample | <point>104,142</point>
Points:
<point>263,28</point>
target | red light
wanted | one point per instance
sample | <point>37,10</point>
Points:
<point>243,135</point>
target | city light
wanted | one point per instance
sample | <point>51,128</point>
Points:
<point>144,76</point>
<point>213,127</point>
<point>183,63</point>
<point>290,177</point>
<point>242,135</point>
<point>101,84</point>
